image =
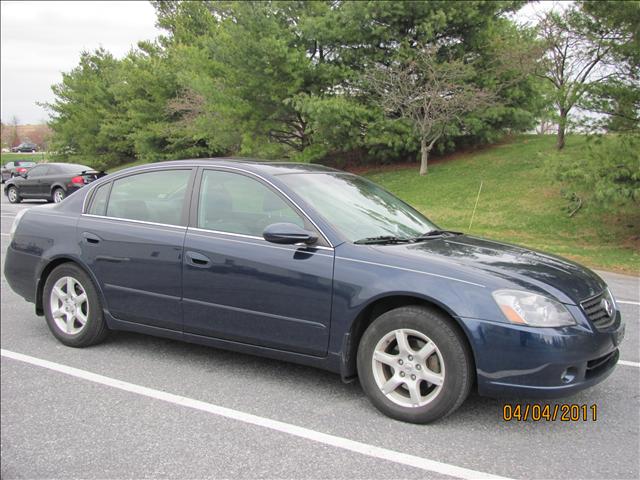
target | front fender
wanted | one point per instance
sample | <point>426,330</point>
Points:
<point>7,184</point>
<point>363,279</point>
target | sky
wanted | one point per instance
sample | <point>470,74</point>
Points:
<point>40,40</point>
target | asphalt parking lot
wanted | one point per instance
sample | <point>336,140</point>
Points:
<point>143,407</point>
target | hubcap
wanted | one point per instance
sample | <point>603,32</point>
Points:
<point>58,196</point>
<point>12,194</point>
<point>69,305</point>
<point>408,368</point>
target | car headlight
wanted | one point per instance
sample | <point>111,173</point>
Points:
<point>526,308</point>
<point>612,300</point>
<point>15,223</point>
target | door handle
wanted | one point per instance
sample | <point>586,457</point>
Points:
<point>91,238</point>
<point>197,259</point>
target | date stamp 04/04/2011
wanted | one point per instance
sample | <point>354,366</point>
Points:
<point>536,412</point>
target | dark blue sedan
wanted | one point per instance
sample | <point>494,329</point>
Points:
<point>315,266</point>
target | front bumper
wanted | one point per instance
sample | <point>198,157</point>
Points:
<point>527,362</point>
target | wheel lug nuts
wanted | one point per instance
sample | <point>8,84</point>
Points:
<point>402,374</point>
<point>413,377</point>
<point>400,362</point>
<point>418,367</point>
<point>410,357</point>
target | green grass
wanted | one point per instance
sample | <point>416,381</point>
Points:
<point>27,157</point>
<point>520,203</point>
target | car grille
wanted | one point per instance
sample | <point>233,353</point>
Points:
<point>596,312</point>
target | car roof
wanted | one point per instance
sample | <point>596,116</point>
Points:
<point>257,166</point>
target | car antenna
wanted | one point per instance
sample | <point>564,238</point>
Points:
<point>474,208</point>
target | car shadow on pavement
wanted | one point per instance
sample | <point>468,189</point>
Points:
<point>317,384</point>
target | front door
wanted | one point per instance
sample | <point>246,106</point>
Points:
<point>132,236</point>
<point>239,287</point>
<point>30,186</point>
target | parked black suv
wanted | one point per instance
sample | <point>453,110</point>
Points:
<point>25,147</point>
<point>50,181</point>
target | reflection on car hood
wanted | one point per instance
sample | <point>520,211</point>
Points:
<point>517,264</point>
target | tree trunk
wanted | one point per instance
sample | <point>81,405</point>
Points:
<point>562,124</point>
<point>424,156</point>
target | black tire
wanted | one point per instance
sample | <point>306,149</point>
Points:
<point>458,363</point>
<point>58,194</point>
<point>95,329</point>
<point>13,195</point>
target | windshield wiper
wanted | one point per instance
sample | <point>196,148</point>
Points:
<point>437,233</point>
<point>381,240</point>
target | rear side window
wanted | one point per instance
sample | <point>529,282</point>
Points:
<point>234,203</point>
<point>156,197</point>
<point>99,203</point>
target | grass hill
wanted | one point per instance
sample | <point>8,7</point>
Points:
<point>520,203</point>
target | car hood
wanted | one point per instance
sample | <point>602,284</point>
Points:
<point>510,265</point>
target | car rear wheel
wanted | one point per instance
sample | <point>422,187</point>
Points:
<point>72,307</point>
<point>58,195</point>
<point>414,365</point>
<point>13,195</point>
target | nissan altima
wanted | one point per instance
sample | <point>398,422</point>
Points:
<point>316,266</point>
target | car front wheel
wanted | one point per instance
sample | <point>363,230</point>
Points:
<point>414,365</point>
<point>13,195</point>
<point>72,307</point>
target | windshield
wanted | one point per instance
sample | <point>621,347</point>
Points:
<point>358,208</point>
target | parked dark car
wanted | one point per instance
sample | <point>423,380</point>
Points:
<point>319,267</point>
<point>25,147</point>
<point>50,181</point>
<point>12,169</point>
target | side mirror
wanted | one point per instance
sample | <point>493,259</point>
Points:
<point>24,175</point>
<point>288,234</point>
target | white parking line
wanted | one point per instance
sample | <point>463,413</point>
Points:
<point>629,364</point>
<point>627,302</point>
<point>295,430</point>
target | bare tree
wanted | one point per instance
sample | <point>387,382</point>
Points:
<point>187,107</point>
<point>14,138</point>
<point>431,94</point>
<point>576,58</point>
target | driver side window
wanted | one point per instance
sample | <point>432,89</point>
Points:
<point>234,203</point>
<point>38,171</point>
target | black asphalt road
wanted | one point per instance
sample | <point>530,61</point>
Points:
<point>55,425</point>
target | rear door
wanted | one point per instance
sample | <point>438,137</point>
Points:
<point>43,187</point>
<point>132,237</point>
<point>238,286</point>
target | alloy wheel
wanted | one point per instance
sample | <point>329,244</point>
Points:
<point>13,194</point>
<point>69,305</point>
<point>408,368</point>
